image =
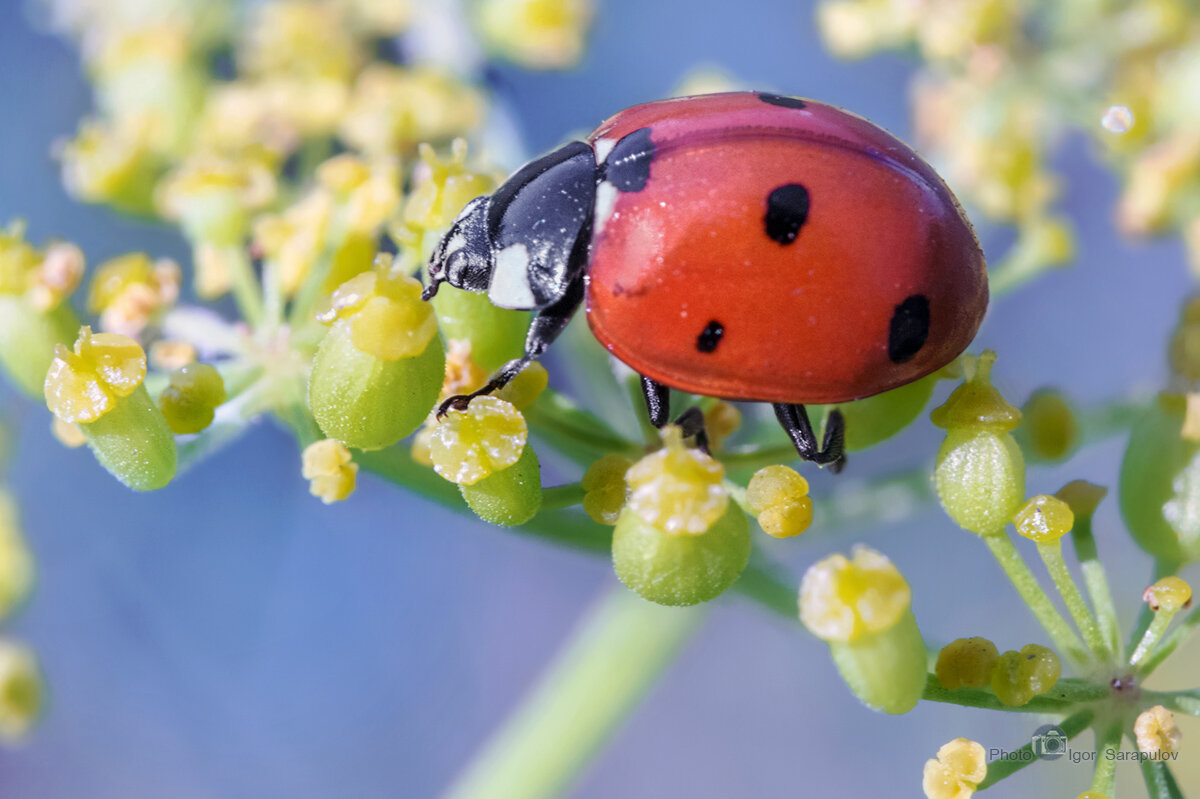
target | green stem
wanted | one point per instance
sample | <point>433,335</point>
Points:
<point>1162,619</point>
<point>1181,701</point>
<point>564,496</point>
<point>1057,567</point>
<point>1104,777</point>
<point>245,285</point>
<point>573,431</point>
<point>1095,578</point>
<point>1160,783</point>
<point>1162,568</point>
<point>999,769</point>
<point>1171,642</point>
<point>767,585</point>
<point>309,292</point>
<point>974,697</point>
<point>612,660</point>
<point>1031,592</point>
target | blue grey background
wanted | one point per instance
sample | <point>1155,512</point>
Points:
<point>229,636</point>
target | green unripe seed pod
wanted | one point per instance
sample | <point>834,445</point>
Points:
<point>885,670</point>
<point>967,662</point>
<point>27,339</point>
<point>1020,676</point>
<point>367,402</point>
<point>980,479</point>
<point>680,568</point>
<point>980,473</point>
<point>509,497</point>
<point>862,607</point>
<point>1049,430</point>
<point>191,398</point>
<point>1160,482</point>
<point>496,335</point>
<point>133,442</point>
<point>875,419</point>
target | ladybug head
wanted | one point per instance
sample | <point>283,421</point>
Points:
<point>463,258</point>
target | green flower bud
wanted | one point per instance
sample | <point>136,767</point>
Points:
<point>1020,676</point>
<point>496,335</point>
<point>509,497</point>
<point>680,568</point>
<point>98,386</point>
<point>966,662</point>
<point>27,339</point>
<point>380,367</point>
<point>191,397</point>
<point>1160,482</point>
<point>21,690</point>
<point>1049,430</point>
<point>861,607</point>
<point>875,419</point>
<point>980,473</point>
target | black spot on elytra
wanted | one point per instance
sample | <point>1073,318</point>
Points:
<point>909,328</point>
<point>781,100</point>
<point>710,336</point>
<point>628,165</point>
<point>787,211</point>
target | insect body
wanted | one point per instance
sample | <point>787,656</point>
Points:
<point>748,246</point>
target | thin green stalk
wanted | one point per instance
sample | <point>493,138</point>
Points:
<point>974,697</point>
<point>309,292</point>
<point>616,655</point>
<point>1057,567</point>
<point>1031,592</point>
<point>1104,777</point>
<point>573,431</point>
<point>1180,701</point>
<point>765,584</point>
<point>273,300</point>
<point>1162,568</point>
<point>1160,783</point>
<point>1095,578</point>
<point>564,496</point>
<point>999,769</point>
<point>1153,634</point>
<point>1171,642</point>
<point>246,292</point>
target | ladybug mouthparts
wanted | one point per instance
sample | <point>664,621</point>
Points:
<point>463,258</point>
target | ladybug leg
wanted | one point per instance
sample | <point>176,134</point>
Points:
<point>658,407</point>
<point>658,401</point>
<point>794,419</point>
<point>691,424</point>
<point>546,326</point>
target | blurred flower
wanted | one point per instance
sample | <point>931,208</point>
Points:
<point>330,470</point>
<point>540,34</point>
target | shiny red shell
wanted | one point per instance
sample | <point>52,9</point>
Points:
<point>689,285</point>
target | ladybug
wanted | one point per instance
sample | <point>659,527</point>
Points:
<point>746,245</point>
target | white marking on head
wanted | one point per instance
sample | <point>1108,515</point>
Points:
<point>510,279</point>
<point>603,147</point>
<point>606,201</point>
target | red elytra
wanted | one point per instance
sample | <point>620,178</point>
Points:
<point>780,250</point>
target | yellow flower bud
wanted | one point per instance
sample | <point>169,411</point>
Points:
<point>130,290</point>
<point>540,34</point>
<point>1156,731</point>
<point>330,470</point>
<point>966,662</point>
<point>778,496</point>
<point>69,434</point>
<point>1049,430</point>
<point>959,768</point>
<point>443,187</point>
<point>469,445</point>
<point>387,318</point>
<point>1044,519</point>
<point>21,690</point>
<point>676,489</point>
<point>1020,676</point>
<point>1169,594</point>
<point>526,387</point>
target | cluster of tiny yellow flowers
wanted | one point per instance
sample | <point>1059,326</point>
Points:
<point>957,771</point>
<point>1015,677</point>
<point>778,497</point>
<point>131,291</point>
<point>605,485</point>
<point>1003,81</point>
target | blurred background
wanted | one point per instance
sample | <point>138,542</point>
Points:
<point>229,636</point>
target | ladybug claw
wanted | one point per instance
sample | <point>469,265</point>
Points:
<point>459,402</point>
